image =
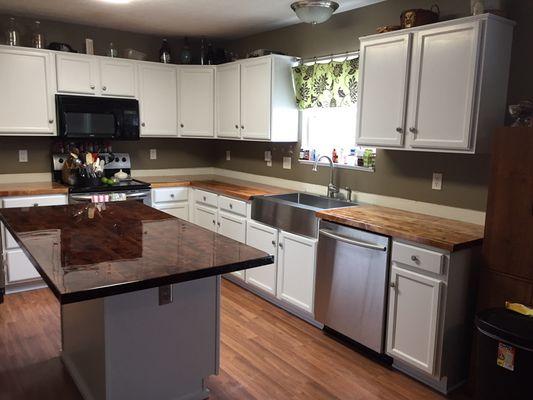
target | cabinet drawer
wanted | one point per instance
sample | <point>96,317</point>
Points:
<point>178,210</point>
<point>201,196</point>
<point>232,205</point>
<point>19,268</point>
<point>35,201</point>
<point>170,194</point>
<point>418,257</point>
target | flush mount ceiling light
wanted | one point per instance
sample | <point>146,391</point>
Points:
<point>116,1</point>
<point>314,12</point>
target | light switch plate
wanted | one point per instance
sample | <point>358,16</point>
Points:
<point>268,156</point>
<point>228,155</point>
<point>23,155</point>
<point>437,181</point>
<point>153,154</point>
<point>287,162</point>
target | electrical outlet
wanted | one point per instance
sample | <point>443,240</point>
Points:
<point>228,155</point>
<point>23,155</point>
<point>287,162</point>
<point>437,181</point>
<point>153,154</point>
<point>268,156</point>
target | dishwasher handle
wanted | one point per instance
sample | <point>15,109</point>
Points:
<point>330,234</point>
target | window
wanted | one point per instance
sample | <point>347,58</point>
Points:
<point>327,93</point>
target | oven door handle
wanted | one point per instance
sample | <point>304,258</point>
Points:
<point>79,197</point>
<point>139,194</point>
<point>328,233</point>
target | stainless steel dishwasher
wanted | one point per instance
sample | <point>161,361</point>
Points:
<point>351,283</point>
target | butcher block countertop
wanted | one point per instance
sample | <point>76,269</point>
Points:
<point>31,189</point>
<point>239,189</point>
<point>446,234</point>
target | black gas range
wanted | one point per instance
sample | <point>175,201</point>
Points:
<point>128,189</point>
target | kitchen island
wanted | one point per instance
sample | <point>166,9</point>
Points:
<point>139,293</point>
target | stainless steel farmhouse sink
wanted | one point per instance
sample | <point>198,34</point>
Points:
<point>293,212</point>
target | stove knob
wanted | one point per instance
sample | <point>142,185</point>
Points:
<point>117,159</point>
<point>123,159</point>
<point>61,161</point>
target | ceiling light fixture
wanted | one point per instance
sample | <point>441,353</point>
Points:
<point>314,12</point>
<point>116,1</point>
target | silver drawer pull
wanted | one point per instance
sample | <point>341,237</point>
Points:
<point>36,204</point>
<point>392,285</point>
<point>274,243</point>
<point>330,234</point>
<point>230,205</point>
<point>415,259</point>
<point>280,245</point>
<point>205,198</point>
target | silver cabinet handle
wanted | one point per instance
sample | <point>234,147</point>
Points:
<point>372,246</point>
<point>181,125</point>
<point>274,243</point>
<point>392,285</point>
<point>205,198</point>
<point>230,206</point>
<point>143,124</point>
<point>280,245</point>
<point>415,259</point>
<point>214,222</point>
<point>92,87</point>
<point>36,204</point>
<point>218,223</point>
<point>172,195</point>
<point>412,129</point>
<point>104,88</point>
<point>236,126</point>
<point>399,130</point>
<point>50,121</point>
<point>242,126</point>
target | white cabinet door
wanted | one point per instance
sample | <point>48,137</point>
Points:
<point>77,74</point>
<point>196,101</point>
<point>296,270</point>
<point>444,70</point>
<point>117,77</point>
<point>413,317</point>
<point>178,210</point>
<point>256,98</point>
<point>264,238</point>
<point>158,95</point>
<point>19,268</point>
<point>234,227</point>
<point>228,95</point>
<point>383,86</point>
<point>27,92</point>
<point>205,216</point>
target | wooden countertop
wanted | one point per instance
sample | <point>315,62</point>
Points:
<point>85,251</point>
<point>240,189</point>
<point>31,188</point>
<point>446,234</point>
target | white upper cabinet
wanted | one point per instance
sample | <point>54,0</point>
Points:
<point>228,100</point>
<point>27,92</point>
<point>77,73</point>
<point>158,100</point>
<point>196,101</point>
<point>89,75</point>
<point>255,100</point>
<point>442,101</point>
<point>383,86</point>
<point>117,77</point>
<point>455,95</point>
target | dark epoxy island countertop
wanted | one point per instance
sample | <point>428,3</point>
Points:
<point>123,248</point>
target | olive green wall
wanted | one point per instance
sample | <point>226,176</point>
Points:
<point>402,174</point>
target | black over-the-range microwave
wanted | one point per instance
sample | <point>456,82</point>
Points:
<point>86,117</point>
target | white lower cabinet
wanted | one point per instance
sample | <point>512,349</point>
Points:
<point>173,201</point>
<point>18,268</point>
<point>413,318</point>
<point>264,238</point>
<point>205,216</point>
<point>296,270</point>
<point>234,227</point>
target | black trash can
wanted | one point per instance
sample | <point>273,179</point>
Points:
<point>504,355</point>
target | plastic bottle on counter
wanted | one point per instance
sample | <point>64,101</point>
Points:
<point>301,156</point>
<point>334,156</point>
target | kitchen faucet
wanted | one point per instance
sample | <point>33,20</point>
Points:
<point>332,189</point>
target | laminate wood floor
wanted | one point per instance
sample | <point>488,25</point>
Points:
<point>266,354</point>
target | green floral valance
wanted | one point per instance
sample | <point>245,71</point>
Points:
<point>333,84</point>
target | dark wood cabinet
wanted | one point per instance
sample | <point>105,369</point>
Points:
<point>507,272</point>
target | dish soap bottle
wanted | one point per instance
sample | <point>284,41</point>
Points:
<point>334,156</point>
